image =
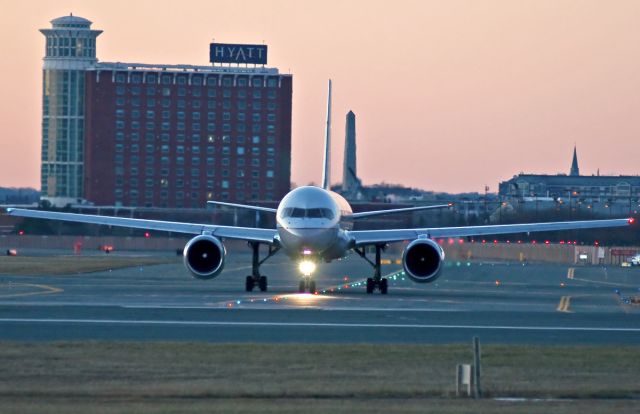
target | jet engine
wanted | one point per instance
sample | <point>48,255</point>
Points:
<point>422,260</point>
<point>204,257</point>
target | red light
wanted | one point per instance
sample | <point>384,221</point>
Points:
<point>495,242</point>
<point>519,241</point>
<point>596,243</point>
<point>21,232</point>
<point>547,242</point>
<point>561,241</point>
<point>460,241</point>
<point>147,234</point>
<point>533,242</point>
<point>631,220</point>
<point>508,241</point>
<point>484,241</point>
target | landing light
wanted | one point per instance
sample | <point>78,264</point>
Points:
<point>632,220</point>
<point>307,267</point>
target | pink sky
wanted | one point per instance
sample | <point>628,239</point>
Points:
<point>449,95</point>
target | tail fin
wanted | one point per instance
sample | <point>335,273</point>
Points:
<point>326,167</point>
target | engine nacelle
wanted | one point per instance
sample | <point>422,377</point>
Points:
<point>422,260</point>
<point>204,257</point>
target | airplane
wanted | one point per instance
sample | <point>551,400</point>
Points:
<point>315,224</point>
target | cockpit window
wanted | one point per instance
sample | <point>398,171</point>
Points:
<point>296,212</point>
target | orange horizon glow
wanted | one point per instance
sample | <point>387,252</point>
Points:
<point>448,96</point>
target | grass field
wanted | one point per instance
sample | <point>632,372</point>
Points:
<point>102,377</point>
<point>63,265</point>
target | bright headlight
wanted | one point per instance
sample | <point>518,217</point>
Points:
<point>307,267</point>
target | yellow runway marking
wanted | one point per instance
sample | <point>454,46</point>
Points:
<point>563,306</point>
<point>44,290</point>
<point>571,272</point>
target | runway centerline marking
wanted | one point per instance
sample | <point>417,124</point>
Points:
<point>315,325</point>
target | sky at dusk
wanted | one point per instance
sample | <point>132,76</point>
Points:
<point>449,95</point>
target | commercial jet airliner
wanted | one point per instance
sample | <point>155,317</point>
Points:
<point>315,224</point>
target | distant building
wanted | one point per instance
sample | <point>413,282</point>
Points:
<point>602,194</point>
<point>150,135</point>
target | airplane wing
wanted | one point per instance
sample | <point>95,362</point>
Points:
<point>257,208</point>
<point>364,237</point>
<point>230,232</point>
<point>397,210</point>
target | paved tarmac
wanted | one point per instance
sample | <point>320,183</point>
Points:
<point>499,302</point>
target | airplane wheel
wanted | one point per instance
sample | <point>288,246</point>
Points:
<point>370,285</point>
<point>384,285</point>
<point>302,286</point>
<point>262,283</point>
<point>249,283</point>
<point>312,287</point>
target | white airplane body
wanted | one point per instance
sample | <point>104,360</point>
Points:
<point>313,225</point>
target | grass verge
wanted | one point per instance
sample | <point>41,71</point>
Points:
<point>65,265</point>
<point>200,377</point>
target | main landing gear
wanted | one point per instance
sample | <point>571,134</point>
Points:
<point>377,281</point>
<point>256,278</point>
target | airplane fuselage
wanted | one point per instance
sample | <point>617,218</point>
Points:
<point>312,222</point>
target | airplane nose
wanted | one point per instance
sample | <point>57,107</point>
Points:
<point>313,238</point>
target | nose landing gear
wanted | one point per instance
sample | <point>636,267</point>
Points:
<point>307,285</point>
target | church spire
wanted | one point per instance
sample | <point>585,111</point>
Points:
<point>574,164</point>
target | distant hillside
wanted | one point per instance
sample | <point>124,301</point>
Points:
<point>19,195</point>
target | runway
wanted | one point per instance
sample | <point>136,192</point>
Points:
<point>499,302</point>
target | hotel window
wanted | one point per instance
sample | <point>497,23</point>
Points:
<point>272,82</point>
<point>242,94</point>
<point>166,103</point>
<point>271,94</point>
<point>151,114</point>
<point>211,93</point>
<point>195,137</point>
<point>165,127</point>
<point>210,161</point>
<point>182,104</point>
<point>212,81</point>
<point>240,150</point>
<point>135,125</point>
<point>256,82</point>
<point>227,81</point>
<point>120,78</point>
<point>271,117</point>
<point>195,104</point>
<point>182,91</point>
<point>255,162</point>
<point>241,81</point>
<point>120,101</point>
<point>271,106</point>
<point>257,105</point>
<point>226,93</point>
<point>195,116</point>
<point>257,94</point>
<point>226,104</point>
<point>135,101</point>
<point>166,92</point>
<point>135,136</point>
<point>196,80</point>
<point>135,90</point>
<point>242,105</point>
<point>197,92</point>
<point>224,184</point>
<point>150,125</point>
<point>195,172</point>
<point>119,113</point>
<point>120,89</point>
<point>182,80</point>
<point>211,104</point>
<point>151,78</point>
<point>119,136</point>
<point>269,173</point>
<point>151,90</point>
<point>151,102</point>
<point>195,149</point>
<point>180,172</point>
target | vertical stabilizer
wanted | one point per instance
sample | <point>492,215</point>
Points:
<point>326,166</point>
